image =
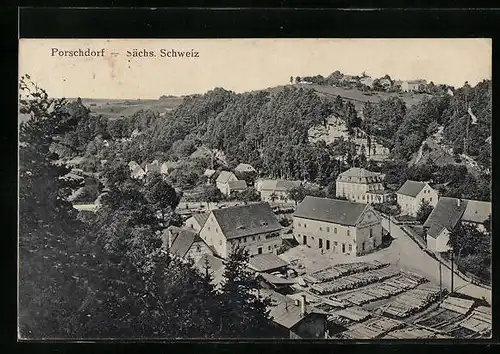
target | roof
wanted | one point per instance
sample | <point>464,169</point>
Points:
<point>284,311</point>
<point>240,184</point>
<point>152,167</point>
<point>244,167</point>
<point>476,211</point>
<point>183,242</point>
<point>245,220</point>
<point>411,188</point>
<point>133,164</point>
<point>445,214</point>
<point>224,176</point>
<point>359,172</point>
<point>209,173</point>
<point>272,279</point>
<point>331,210</point>
<point>266,262</point>
<point>418,81</point>
<point>278,185</point>
<point>138,171</point>
<point>200,218</point>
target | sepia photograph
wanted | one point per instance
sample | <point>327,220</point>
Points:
<point>333,189</point>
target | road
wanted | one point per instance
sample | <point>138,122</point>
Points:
<point>406,253</point>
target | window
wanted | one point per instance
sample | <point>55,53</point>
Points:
<point>259,250</point>
<point>363,246</point>
<point>348,232</point>
<point>343,248</point>
<point>253,238</point>
<point>305,225</point>
<point>327,244</point>
<point>216,230</point>
<point>220,242</point>
<point>305,240</point>
<point>198,248</point>
<point>299,224</point>
<point>430,199</point>
<point>320,243</point>
<point>209,228</point>
<point>371,232</point>
<point>269,248</point>
<point>374,243</point>
<point>350,248</point>
<point>244,239</point>
<point>327,229</point>
<point>335,243</point>
<point>363,197</point>
<point>320,228</point>
<point>334,230</point>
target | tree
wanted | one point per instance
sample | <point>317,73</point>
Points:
<point>297,80</point>
<point>291,79</point>
<point>297,194</point>
<point>464,239</point>
<point>243,311</point>
<point>162,196</point>
<point>212,194</point>
<point>424,211</point>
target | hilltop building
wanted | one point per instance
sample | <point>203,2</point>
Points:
<point>412,193</point>
<point>412,85</point>
<point>337,226</point>
<point>361,186</point>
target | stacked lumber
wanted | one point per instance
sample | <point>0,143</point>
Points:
<point>479,321</point>
<point>413,301</point>
<point>456,304</point>
<point>413,333</point>
<point>355,314</point>
<point>354,281</point>
<point>340,270</point>
<point>371,329</point>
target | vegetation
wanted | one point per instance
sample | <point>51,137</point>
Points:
<point>424,211</point>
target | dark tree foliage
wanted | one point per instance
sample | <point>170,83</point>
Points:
<point>243,310</point>
<point>424,211</point>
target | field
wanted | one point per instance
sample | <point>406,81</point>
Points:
<point>118,108</point>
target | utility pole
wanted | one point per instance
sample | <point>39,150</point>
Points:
<point>440,282</point>
<point>452,272</point>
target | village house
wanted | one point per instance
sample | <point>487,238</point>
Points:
<point>267,262</point>
<point>276,190</point>
<point>412,194</point>
<point>295,319</point>
<point>185,243</point>
<point>196,221</point>
<point>253,226</point>
<point>412,85</point>
<point>208,175</point>
<point>361,186</point>
<point>367,81</point>
<point>337,226</point>
<point>244,168</point>
<point>447,213</point>
<point>138,173</point>
<point>153,167</point>
<point>168,166</point>
<point>132,165</point>
<point>236,186</point>
<point>222,181</point>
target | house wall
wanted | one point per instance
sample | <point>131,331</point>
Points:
<point>411,205</point>
<point>211,233</point>
<point>356,192</point>
<point>270,242</point>
<point>224,187</point>
<point>281,196</point>
<point>343,239</point>
<point>197,250</point>
<point>440,243</point>
<point>192,224</point>
<point>312,326</point>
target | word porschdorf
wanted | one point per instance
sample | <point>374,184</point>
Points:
<point>169,53</point>
<point>78,52</point>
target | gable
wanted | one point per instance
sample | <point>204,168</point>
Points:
<point>368,217</point>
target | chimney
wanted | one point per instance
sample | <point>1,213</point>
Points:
<point>459,202</point>
<point>303,305</point>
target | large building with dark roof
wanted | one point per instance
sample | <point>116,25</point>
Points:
<point>337,226</point>
<point>413,193</point>
<point>447,213</point>
<point>253,226</point>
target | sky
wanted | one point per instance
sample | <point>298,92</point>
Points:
<point>241,65</point>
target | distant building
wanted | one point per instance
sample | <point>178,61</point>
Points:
<point>412,85</point>
<point>132,165</point>
<point>196,221</point>
<point>236,186</point>
<point>447,213</point>
<point>361,186</point>
<point>153,167</point>
<point>185,244</point>
<point>138,173</point>
<point>253,226</point>
<point>267,263</point>
<point>168,166</point>
<point>367,81</point>
<point>295,319</point>
<point>244,168</point>
<point>209,174</point>
<point>276,190</point>
<point>412,193</point>
<point>337,226</point>
<point>222,181</point>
